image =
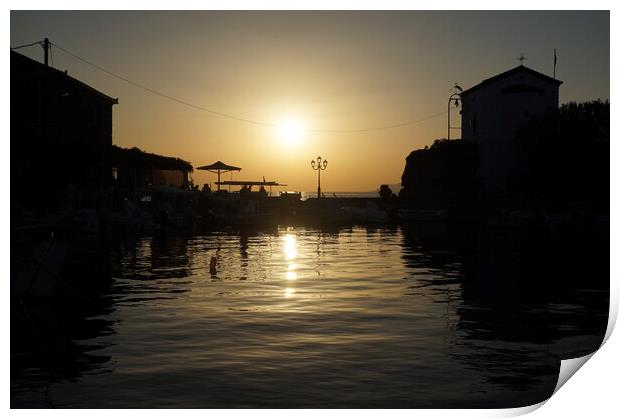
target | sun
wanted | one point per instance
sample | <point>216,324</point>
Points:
<point>291,131</point>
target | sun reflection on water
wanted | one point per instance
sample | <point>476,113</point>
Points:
<point>290,246</point>
<point>290,253</point>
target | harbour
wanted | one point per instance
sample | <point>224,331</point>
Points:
<point>477,313</point>
<point>306,209</point>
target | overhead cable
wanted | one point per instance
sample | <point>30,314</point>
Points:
<point>27,45</point>
<point>234,117</point>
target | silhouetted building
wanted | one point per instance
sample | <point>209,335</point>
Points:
<point>136,171</point>
<point>61,134</point>
<point>494,110</point>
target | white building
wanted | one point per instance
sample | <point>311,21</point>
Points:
<point>492,113</point>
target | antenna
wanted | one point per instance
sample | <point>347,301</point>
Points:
<point>555,61</point>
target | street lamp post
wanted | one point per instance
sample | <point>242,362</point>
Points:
<point>454,98</point>
<point>319,165</point>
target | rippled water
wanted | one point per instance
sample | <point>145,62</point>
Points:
<point>354,317</point>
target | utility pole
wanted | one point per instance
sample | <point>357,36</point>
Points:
<point>46,50</point>
<point>43,93</point>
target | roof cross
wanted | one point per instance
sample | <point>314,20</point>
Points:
<point>521,58</point>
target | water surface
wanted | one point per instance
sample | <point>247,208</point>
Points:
<point>355,317</point>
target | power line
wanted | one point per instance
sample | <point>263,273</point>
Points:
<point>27,45</point>
<point>234,117</point>
<point>155,92</point>
<point>403,124</point>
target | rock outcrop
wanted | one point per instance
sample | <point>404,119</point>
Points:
<point>443,175</point>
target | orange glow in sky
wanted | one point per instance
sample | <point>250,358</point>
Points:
<point>309,78</point>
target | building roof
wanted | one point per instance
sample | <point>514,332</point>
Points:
<point>518,69</point>
<point>134,157</point>
<point>250,183</point>
<point>60,74</point>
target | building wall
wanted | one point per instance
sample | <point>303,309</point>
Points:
<point>61,133</point>
<point>176,178</point>
<point>492,115</point>
<point>47,105</point>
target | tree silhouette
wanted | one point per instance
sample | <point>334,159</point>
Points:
<point>568,156</point>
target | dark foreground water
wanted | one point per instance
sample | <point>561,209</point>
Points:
<point>425,317</point>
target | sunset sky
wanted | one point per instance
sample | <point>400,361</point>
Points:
<point>323,71</point>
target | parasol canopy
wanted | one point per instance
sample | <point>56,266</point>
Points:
<point>219,167</point>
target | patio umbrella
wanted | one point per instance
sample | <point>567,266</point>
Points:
<point>219,167</point>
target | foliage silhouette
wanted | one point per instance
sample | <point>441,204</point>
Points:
<point>568,156</point>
